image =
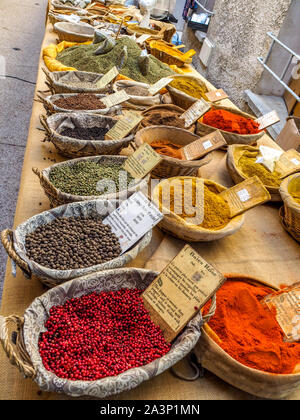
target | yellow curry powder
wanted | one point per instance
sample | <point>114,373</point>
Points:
<point>162,46</point>
<point>190,87</point>
<point>249,168</point>
<point>294,189</point>
<point>216,209</point>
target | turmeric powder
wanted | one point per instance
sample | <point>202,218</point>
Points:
<point>163,46</point>
<point>294,189</point>
<point>249,168</point>
<point>190,87</point>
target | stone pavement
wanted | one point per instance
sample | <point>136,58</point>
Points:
<point>21,34</point>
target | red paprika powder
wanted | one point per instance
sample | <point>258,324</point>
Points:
<point>249,331</point>
<point>228,121</point>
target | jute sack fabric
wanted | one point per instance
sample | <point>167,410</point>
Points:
<point>28,359</point>
<point>256,382</point>
<point>290,213</point>
<point>51,108</point>
<point>171,167</point>
<point>231,138</point>
<point>180,228</point>
<point>75,148</point>
<point>14,242</point>
<point>66,81</point>
<point>234,154</point>
<point>136,102</point>
<point>58,197</point>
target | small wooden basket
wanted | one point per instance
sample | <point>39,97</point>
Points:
<point>166,57</point>
<point>73,32</point>
<point>290,213</point>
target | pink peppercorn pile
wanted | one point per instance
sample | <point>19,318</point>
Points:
<point>100,335</point>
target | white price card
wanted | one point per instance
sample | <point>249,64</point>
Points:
<point>108,77</point>
<point>195,112</point>
<point>115,99</point>
<point>133,219</point>
<point>160,85</point>
<point>267,120</point>
<point>143,38</point>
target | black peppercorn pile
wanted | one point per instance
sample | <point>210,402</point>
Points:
<point>72,243</point>
<point>93,133</point>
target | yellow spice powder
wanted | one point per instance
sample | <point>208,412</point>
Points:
<point>294,189</point>
<point>190,87</point>
<point>249,168</point>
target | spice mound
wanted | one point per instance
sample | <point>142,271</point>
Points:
<point>85,133</point>
<point>100,335</point>
<point>82,101</point>
<point>82,58</point>
<point>166,148</point>
<point>249,168</point>
<point>190,87</point>
<point>84,178</point>
<point>137,91</point>
<point>228,121</point>
<point>294,189</point>
<point>169,118</point>
<point>72,243</point>
<point>216,210</point>
<point>249,331</point>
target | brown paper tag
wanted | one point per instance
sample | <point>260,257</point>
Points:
<point>142,161</point>
<point>123,127</point>
<point>287,305</point>
<point>160,85</point>
<point>195,112</point>
<point>288,163</point>
<point>203,146</point>
<point>216,95</point>
<point>115,98</point>
<point>141,39</point>
<point>267,120</point>
<point>245,196</point>
<point>107,78</point>
<point>180,291</point>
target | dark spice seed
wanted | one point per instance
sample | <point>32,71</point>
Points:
<point>84,133</point>
<point>81,101</point>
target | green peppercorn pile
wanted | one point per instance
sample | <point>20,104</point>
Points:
<point>82,178</point>
<point>72,243</point>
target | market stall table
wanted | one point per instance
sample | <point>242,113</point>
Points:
<point>260,249</point>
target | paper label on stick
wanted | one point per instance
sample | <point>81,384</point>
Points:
<point>216,95</point>
<point>267,120</point>
<point>115,98</point>
<point>143,38</point>
<point>203,145</point>
<point>160,85</point>
<point>195,112</point>
<point>123,127</point>
<point>133,219</point>
<point>287,306</point>
<point>142,161</point>
<point>245,196</point>
<point>107,78</point>
<point>288,163</point>
<point>180,291</point>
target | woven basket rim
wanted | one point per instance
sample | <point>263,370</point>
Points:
<point>59,28</point>
<point>286,197</point>
<point>50,99</point>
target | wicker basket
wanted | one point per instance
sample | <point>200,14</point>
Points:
<point>264,385</point>
<point>167,58</point>
<point>51,108</point>
<point>165,107</point>
<point>14,242</point>
<point>178,227</point>
<point>26,357</point>
<point>61,6</point>
<point>54,16</point>
<point>139,103</point>
<point>180,98</point>
<point>63,82</point>
<point>58,198</point>
<point>136,30</point>
<point>73,32</point>
<point>75,148</point>
<point>171,167</point>
<point>233,155</point>
<point>231,138</point>
<point>290,213</point>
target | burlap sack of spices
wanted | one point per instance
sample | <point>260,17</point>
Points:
<point>290,213</point>
<point>137,102</point>
<point>75,148</point>
<point>27,357</point>
<point>14,242</point>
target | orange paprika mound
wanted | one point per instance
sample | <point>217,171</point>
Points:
<point>228,121</point>
<point>249,331</point>
<point>165,147</point>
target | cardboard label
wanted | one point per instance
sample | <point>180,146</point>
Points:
<point>287,305</point>
<point>142,161</point>
<point>160,85</point>
<point>245,196</point>
<point>133,219</point>
<point>115,98</point>
<point>216,95</point>
<point>288,163</point>
<point>180,291</point>
<point>267,120</point>
<point>124,126</point>
<point>107,78</point>
<point>203,146</point>
<point>195,112</point>
<point>143,38</point>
